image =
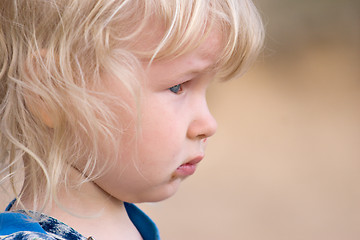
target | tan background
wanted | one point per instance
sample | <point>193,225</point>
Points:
<point>285,162</point>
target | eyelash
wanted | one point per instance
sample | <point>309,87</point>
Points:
<point>177,89</point>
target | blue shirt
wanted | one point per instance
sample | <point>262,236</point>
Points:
<point>18,225</point>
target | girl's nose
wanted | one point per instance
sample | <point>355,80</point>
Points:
<point>203,124</point>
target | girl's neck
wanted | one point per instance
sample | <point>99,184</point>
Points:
<point>91,212</point>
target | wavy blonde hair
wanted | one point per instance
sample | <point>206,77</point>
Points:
<point>55,52</point>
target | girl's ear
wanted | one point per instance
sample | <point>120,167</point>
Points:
<point>34,102</point>
<point>37,107</point>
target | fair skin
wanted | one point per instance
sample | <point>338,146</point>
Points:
<point>174,127</point>
<point>175,124</point>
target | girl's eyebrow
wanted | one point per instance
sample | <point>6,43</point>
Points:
<point>197,71</point>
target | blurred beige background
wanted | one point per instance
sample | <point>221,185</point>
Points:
<point>285,162</point>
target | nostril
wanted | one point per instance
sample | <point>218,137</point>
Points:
<point>202,137</point>
<point>202,126</point>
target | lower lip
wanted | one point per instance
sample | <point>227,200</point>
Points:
<point>186,170</point>
<point>189,168</point>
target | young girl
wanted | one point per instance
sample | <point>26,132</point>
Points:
<point>103,105</point>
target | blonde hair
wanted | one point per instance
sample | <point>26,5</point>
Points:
<point>55,52</point>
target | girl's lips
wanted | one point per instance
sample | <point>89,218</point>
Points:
<point>188,168</point>
<point>195,160</point>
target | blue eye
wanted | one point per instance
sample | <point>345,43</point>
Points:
<point>176,89</point>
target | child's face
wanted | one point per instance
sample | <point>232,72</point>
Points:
<point>175,123</point>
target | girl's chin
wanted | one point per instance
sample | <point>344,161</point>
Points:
<point>160,193</point>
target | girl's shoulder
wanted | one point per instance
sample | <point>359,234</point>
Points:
<point>25,235</point>
<point>20,226</point>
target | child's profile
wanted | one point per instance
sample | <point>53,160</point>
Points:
<point>103,105</point>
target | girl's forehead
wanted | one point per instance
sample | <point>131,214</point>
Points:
<point>199,60</point>
<point>212,44</point>
<point>156,37</point>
